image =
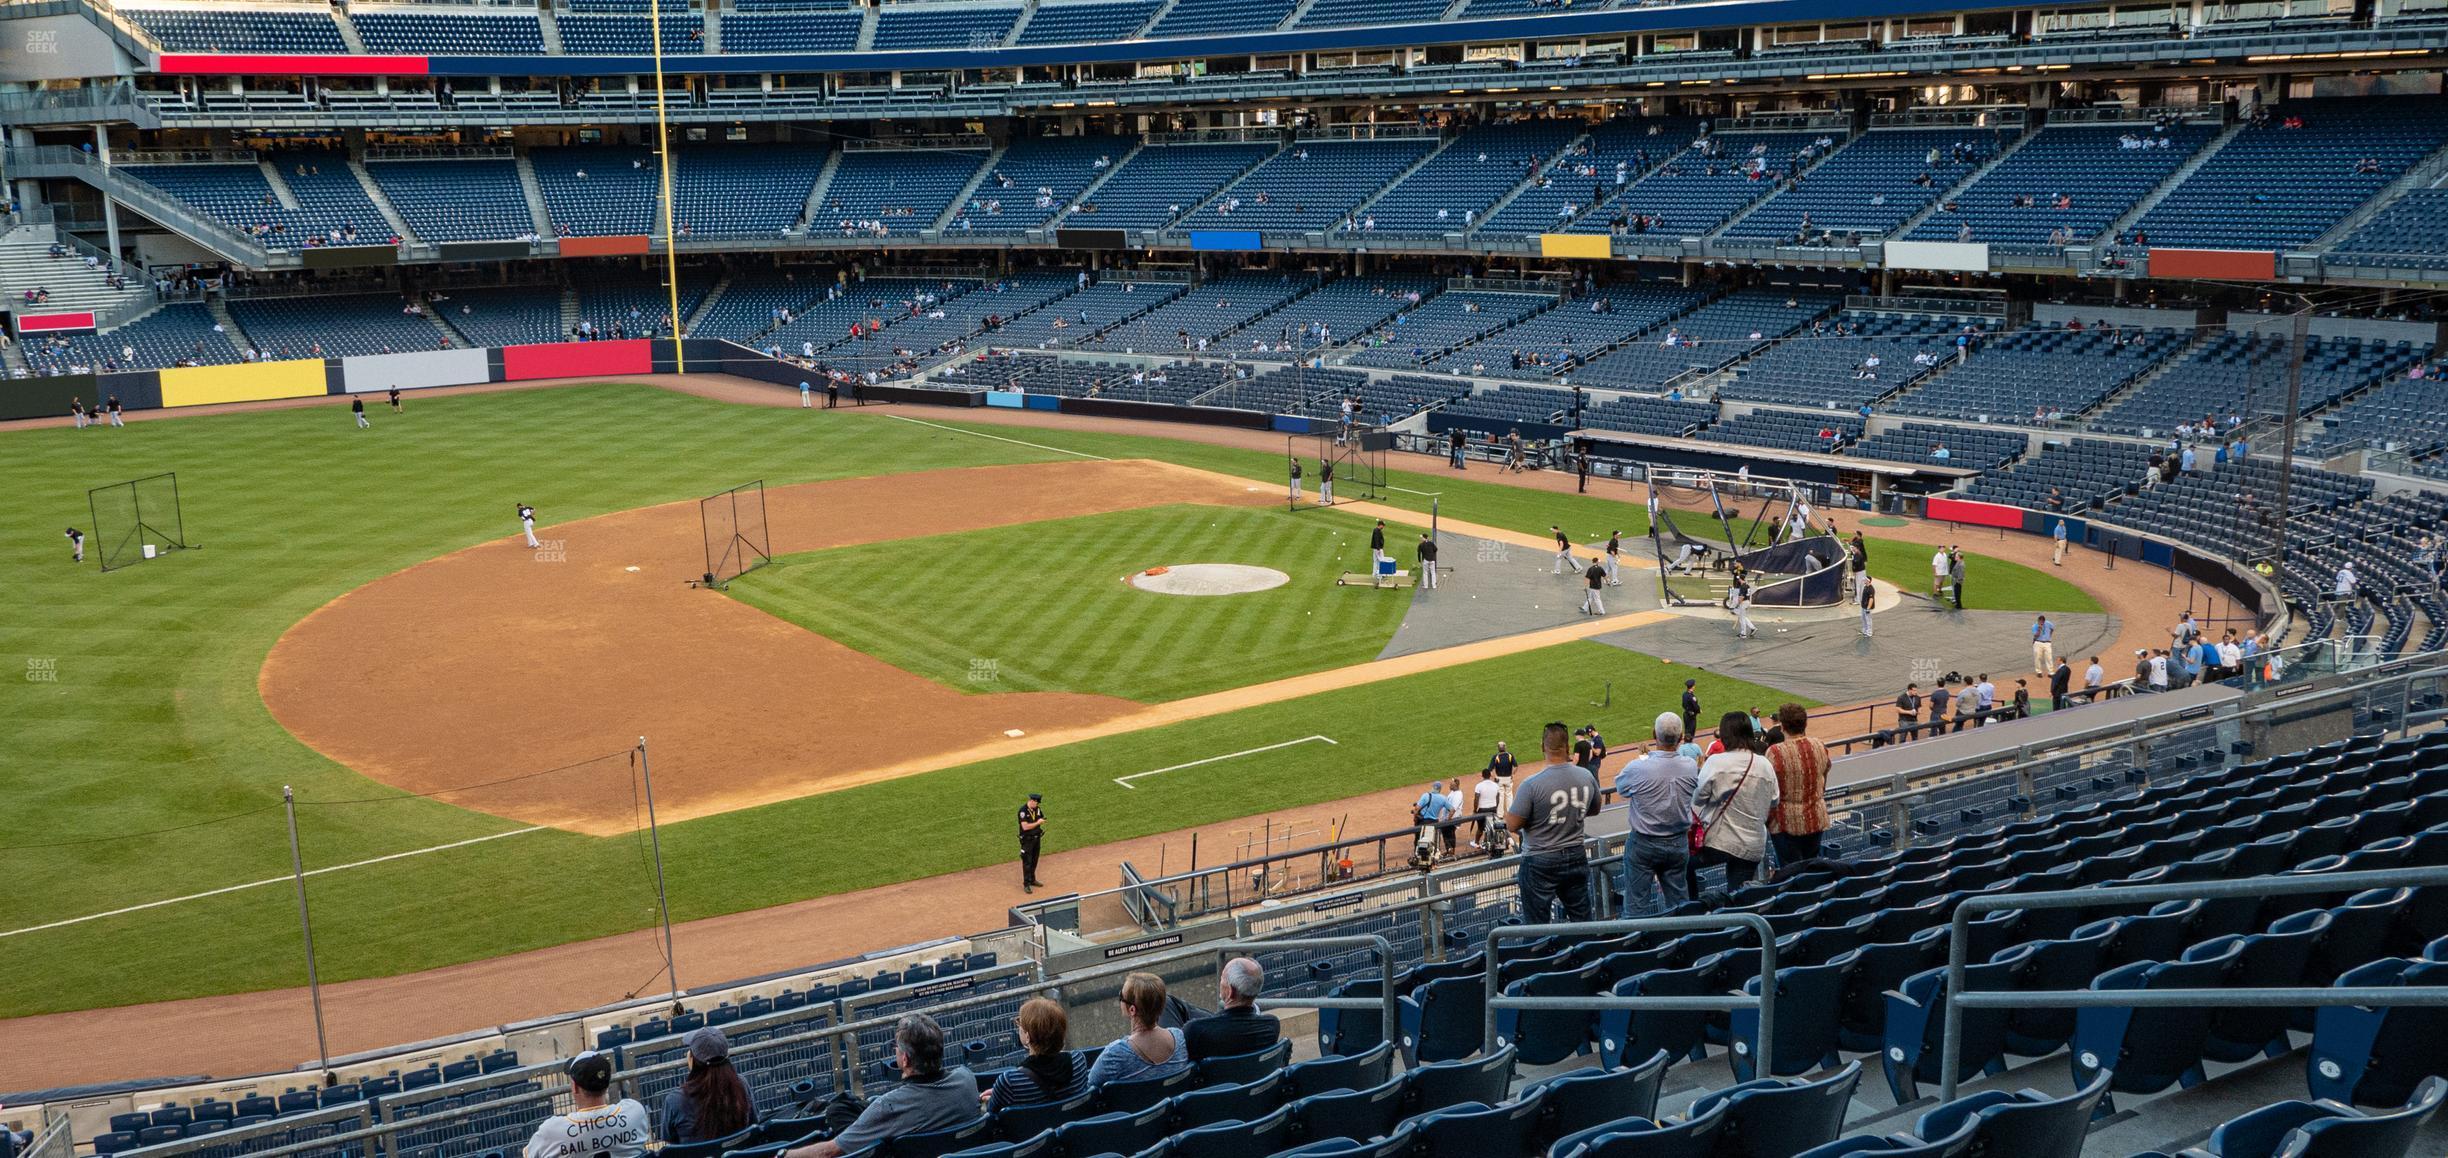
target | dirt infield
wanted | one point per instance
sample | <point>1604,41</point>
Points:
<point>537,662</point>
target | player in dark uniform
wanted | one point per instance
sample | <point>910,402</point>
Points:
<point>1377,544</point>
<point>1691,708</point>
<point>1326,482</point>
<point>395,400</point>
<point>76,544</point>
<point>1032,838</point>
<point>114,411</point>
<point>1427,562</point>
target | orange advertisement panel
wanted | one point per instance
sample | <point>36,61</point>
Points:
<point>1597,245</point>
<point>603,246</point>
<point>2238,264</point>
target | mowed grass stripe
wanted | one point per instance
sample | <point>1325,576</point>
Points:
<point>1057,615</point>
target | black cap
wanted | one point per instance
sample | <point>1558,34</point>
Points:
<point>1039,797</point>
<point>591,1071</point>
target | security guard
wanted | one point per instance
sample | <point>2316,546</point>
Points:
<point>1032,836</point>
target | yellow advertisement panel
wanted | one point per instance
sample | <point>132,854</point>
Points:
<point>1575,245</point>
<point>245,382</point>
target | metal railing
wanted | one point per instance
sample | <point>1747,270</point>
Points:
<point>1765,1002</point>
<point>1960,938</point>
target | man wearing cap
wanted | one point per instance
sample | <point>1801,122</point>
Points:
<point>1032,837</point>
<point>929,1098</point>
<point>596,1126</point>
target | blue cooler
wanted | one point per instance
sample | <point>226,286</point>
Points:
<point>1385,568</point>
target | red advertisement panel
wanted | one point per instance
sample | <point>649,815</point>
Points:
<point>2242,264</point>
<point>577,359</point>
<point>1975,514</point>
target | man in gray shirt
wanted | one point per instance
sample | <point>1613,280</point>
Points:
<point>1548,811</point>
<point>1657,791</point>
<point>929,1098</point>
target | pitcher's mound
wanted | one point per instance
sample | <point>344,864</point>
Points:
<point>1208,579</point>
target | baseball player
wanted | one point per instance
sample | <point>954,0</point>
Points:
<point>1377,551</point>
<point>1296,480</point>
<point>807,395</point>
<point>114,411</point>
<point>357,407</point>
<point>76,545</point>
<point>1869,600</point>
<point>1596,576</point>
<point>1427,562</point>
<point>1565,563</point>
<point>1738,600</point>
<point>76,409</point>
<point>1325,482</point>
<point>1614,551</point>
<point>526,516</point>
<point>395,400</point>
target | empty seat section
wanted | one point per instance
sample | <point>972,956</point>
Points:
<point>942,26</point>
<point>426,30</point>
<point>1455,188</point>
<point>451,199</point>
<point>1081,23</point>
<point>2041,373</point>
<point>795,32</point>
<point>1706,338</point>
<point>1309,186</point>
<point>1196,17</point>
<point>1035,178</point>
<point>2077,179</point>
<point>903,190</point>
<point>1872,183</point>
<point>758,191</point>
<point>590,192</point>
<point>257,28</point>
<point>1160,183</point>
<point>2285,181</point>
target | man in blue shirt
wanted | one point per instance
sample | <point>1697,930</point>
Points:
<point>1657,791</point>
<point>1432,808</point>
<point>2058,548</point>
<point>2044,651</point>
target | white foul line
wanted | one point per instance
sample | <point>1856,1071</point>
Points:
<point>1125,781</point>
<point>268,881</point>
<point>1000,438</point>
<point>1409,491</point>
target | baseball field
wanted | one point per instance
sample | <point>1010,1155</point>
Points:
<point>456,714</point>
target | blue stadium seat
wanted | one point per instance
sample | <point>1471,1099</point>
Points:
<point>2022,1124</point>
<point>1442,1084</point>
<point>1364,1070</point>
<point>1476,1130</point>
<point>1695,1136</point>
<point>2327,1129</point>
<point>1779,1118</point>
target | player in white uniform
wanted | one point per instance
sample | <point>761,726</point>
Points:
<point>76,544</point>
<point>1564,562</point>
<point>1614,551</point>
<point>1738,598</point>
<point>527,524</point>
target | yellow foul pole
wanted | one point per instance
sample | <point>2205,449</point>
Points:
<point>671,242</point>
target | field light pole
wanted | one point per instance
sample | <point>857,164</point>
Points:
<point>314,984</point>
<point>671,968</point>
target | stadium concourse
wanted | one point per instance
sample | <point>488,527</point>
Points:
<point>244,1033</point>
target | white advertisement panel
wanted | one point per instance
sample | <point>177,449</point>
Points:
<point>1953,256</point>
<point>377,372</point>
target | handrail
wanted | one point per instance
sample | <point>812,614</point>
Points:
<point>1765,1002</point>
<point>1959,941</point>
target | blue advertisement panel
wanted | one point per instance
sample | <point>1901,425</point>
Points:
<point>1225,239</point>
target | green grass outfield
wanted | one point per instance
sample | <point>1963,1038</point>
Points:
<point>147,767</point>
<point>1044,603</point>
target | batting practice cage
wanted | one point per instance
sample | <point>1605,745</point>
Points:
<point>136,520</point>
<point>1789,562</point>
<point>735,537</point>
<point>1358,458</point>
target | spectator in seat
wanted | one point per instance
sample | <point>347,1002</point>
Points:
<point>929,1098</point>
<point>1051,1073</point>
<point>1236,1027</point>
<point>712,1102</point>
<point>1149,1050</point>
<point>595,1126</point>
